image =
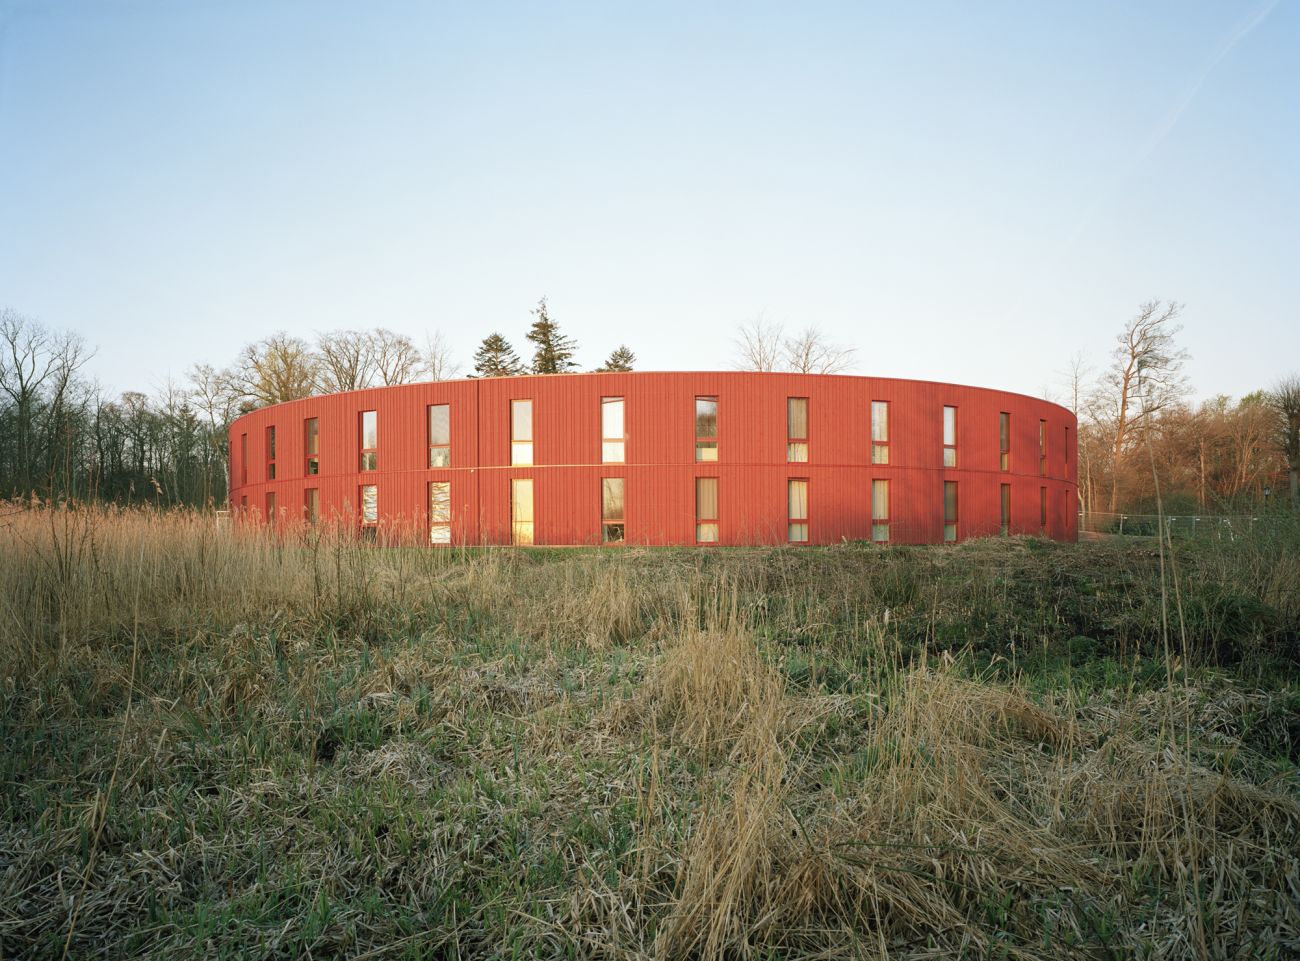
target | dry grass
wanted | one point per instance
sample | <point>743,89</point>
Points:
<point>333,750</point>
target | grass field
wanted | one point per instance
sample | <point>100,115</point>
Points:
<point>218,746</point>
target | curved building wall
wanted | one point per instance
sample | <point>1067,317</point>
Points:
<point>659,473</point>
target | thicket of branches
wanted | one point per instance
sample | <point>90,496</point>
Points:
<point>62,436</point>
<point>1137,427</point>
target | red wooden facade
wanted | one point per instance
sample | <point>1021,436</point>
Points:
<point>660,465</point>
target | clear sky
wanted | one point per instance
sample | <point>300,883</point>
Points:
<point>966,191</point>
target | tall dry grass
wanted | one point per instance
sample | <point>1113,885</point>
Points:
<point>224,743</point>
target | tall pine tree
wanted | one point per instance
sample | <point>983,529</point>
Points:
<point>496,358</point>
<point>554,353</point>
<point>620,361</point>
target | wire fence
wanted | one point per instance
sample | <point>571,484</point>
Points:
<point>1212,526</point>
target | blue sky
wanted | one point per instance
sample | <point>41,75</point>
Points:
<point>967,192</point>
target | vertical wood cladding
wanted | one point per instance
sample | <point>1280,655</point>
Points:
<point>660,467</point>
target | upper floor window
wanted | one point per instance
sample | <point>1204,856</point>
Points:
<point>369,440</point>
<point>243,459</point>
<point>706,428</point>
<point>1042,447</point>
<point>797,498</point>
<point>796,429</point>
<point>439,435</point>
<point>706,510</point>
<point>612,524</point>
<point>311,445</point>
<point>880,432</point>
<point>880,511</point>
<point>521,435</point>
<point>1004,441</point>
<point>440,512</point>
<point>270,453</point>
<point>950,437</point>
<point>612,439</point>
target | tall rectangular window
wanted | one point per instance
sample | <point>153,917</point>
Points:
<point>1004,441</point>
<point>311,445</point>
<point>706,510</point>
<point>440,512</point>
<point>1042,509</point>
<point>521,510</point>
<point>270,453</point>
<point>439,435</point>
<point>612,523</point>
<point>369,505</point>
<point>270,508</point>
<point>798,510</point>
<point>950,437</point>
<point>243,459</point>
<point>612,440</point>
<point>880,511</point>
<point>949,511</point>
<point>880,432</point>
<point>1042,448</point>
<point>796,429</point>
<point>311,505</point>
<point>1006,509</point>
<point>706,428</point>
<point>521,435</point>
<point>369,440</point>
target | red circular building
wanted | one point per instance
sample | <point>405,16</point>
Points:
<point>664,458</point>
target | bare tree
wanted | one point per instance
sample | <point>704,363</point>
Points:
<point>36,369</point>
<point>439,363</point>
<point>397,359</point>
<point>1076,377</point>
<point>1285,399</point>
<point>276,369</point>
<point>809,352</point>
<point>346,361</point>
<point>1144,377</point>
<point>759,345</point>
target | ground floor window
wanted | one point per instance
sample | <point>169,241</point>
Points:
<point>440,512</point>
<point>1006,510</point>
<point>880,511</point>
<point>798,509</point>
<point>706,510</point>
<point>521,511</point>
<point>369,511</point>
<point>612,522</point>
<point>949,511</point>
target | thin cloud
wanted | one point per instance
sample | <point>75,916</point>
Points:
<point>1167,123</point>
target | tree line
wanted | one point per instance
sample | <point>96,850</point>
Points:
<point>61,435</point>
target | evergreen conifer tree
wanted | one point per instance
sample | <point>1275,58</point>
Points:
<point>554,353</point>
<point>496,358</point>
<point>620,361</point>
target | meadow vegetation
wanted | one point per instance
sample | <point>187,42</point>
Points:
<point>224,744</point>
